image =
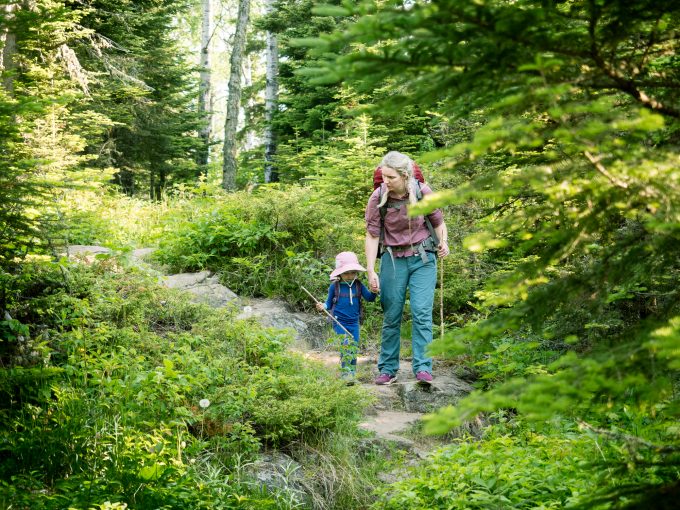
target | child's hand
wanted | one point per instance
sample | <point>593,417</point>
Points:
<point>373,282</point>
<point>320,307</point>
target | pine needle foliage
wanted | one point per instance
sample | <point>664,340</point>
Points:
<point>129,394</point>
<point>576,163</point>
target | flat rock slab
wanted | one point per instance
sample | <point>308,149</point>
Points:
<point>418,398</point>
<point>311,329</point>
<point>81,249</point>
<point>386,398</point>
<point>204,286</point>
<point>388,423</point>
<point>142,253</point>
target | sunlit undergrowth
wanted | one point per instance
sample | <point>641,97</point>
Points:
<point>125,392</point>
<point>513,468</point>
<point>93,216</point>
<point>506,470</point>
<point>269,242</point>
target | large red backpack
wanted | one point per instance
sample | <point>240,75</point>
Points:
<point>377,175</point>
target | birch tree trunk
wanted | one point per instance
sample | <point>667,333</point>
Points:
<point>9,46</point>
<point>234,99</point>
<point>251,138</point>
<point>271,98</point>
<point>204,91</point>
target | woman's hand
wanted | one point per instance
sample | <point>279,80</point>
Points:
<point>320,307</point>
<point>373,281</point>
<point>443,249</point>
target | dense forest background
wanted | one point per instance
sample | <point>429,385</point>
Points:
<point>241,137</point>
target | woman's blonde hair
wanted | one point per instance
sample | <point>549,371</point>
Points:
<point>403,165</point>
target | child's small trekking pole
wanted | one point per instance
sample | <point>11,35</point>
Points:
<point>326,311</point>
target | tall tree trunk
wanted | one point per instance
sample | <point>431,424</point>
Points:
<point>271,98</point>
<point>8,41</point>
<point>234,100</point>
<point>204,91</point>
<point>251,136</point>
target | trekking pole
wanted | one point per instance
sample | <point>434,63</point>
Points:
<point>327,312</point>
<point>441,303</point>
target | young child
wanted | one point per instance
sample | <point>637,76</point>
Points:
<point>344,303</point>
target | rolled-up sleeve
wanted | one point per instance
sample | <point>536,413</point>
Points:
<point>373,214</point>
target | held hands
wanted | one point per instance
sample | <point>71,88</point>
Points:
<point>373,282</point>
<point>443,249</point>
<point>320,307</point>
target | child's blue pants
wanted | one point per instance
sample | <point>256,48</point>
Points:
<point>350,346</point>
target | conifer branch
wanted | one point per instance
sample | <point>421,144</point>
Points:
<point>600,168</point>
<point>631,441</point>
<point>623,83</point>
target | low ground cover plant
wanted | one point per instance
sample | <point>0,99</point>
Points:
<point>135,387</point>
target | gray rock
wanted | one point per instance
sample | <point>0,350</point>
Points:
<point>443,391</point>
<point>312,329</point>
<point>185,281</point>
<point>387,425</point>
<point>386,398</point>
<point>142,253</point>
<point>277,472</point>
<point>81,249</point>
<point>206,288</point>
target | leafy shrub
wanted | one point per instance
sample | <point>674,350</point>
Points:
<point>522,470</point>
<point>95,216</point>
<point>115,414</point>
<point>264,243</point>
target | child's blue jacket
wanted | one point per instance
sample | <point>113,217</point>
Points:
<point>347,307</point>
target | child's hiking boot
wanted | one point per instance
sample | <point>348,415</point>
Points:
<point>350,378</point>
<point>424,377</point>
<point>385,379</point>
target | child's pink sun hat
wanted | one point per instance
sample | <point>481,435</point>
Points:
<point>346,261</point>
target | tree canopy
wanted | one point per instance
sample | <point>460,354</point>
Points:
<point>550,132</point>
<point>574,163</point>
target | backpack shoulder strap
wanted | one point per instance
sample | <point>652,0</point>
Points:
<point>383,212</point>
<point>359,297</point>
<point>382,209</point>
<point>419,191</point>
<point>357,292</point>
<point>428,223</point>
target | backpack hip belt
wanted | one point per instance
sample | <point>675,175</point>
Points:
<point>421,248</point>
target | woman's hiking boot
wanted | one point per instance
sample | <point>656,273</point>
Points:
<point>424,377</point>
<point>385,379</point>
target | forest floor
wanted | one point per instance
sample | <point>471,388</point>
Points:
<point>395,414</point>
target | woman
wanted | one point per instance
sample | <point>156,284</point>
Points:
<point>408,261</point>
